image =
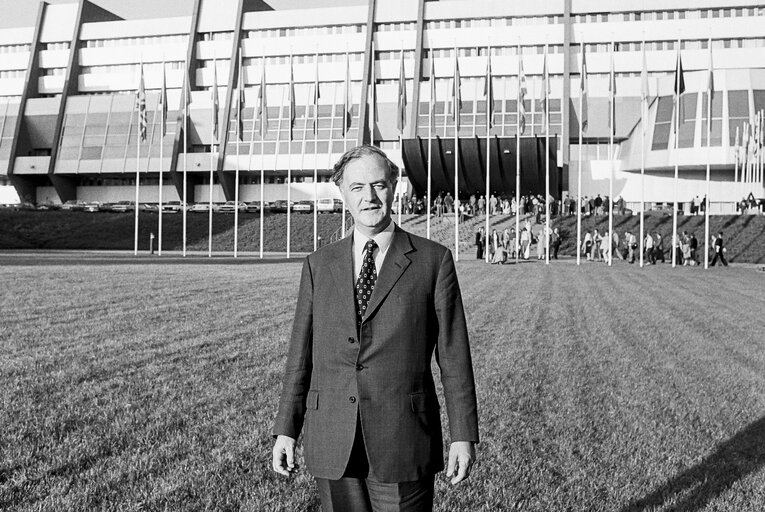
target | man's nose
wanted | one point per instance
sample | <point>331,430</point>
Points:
<point>370,194</point>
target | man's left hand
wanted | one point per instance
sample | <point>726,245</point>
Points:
<point>461,459</point>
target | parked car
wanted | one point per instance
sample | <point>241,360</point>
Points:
<point>279,206</point>
<point>252,207</point>
<point>199,208</point>
<point>231,206</point>
<point>92,206</point>
<point>48,206</point>
<point>151,207</point>
<point>302,207</point>
<point>73,205</point>
<point>121,206</point>
<point>329,205</point>
<point>171,207</point>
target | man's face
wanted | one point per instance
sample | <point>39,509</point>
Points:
<point>368,193</point>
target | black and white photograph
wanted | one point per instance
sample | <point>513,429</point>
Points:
<point>382,256</point>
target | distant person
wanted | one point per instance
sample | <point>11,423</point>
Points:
<point>556,240</point>
<point>658,247</point>
<point>719,250</point>
<point>480,241</point>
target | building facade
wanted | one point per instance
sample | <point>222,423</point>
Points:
<point>70,127</point>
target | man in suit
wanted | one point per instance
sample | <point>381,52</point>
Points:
<point>358,376</point>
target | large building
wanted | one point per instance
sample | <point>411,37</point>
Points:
<point>70,128</point>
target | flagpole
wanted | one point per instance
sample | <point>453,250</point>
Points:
<point>518,108</point>
<point>185,148</point>
<point>548,210</point>
<point>316,153</point>
<point>137,173</point>
<point>163,100</point>
<point>488,146</point>
<point>735,160</point>
<point>262,107</point>
<point>707,202</point>
<point>250,150</point>
<point>678,94</point>
<point>456,107</point>
<point>345,125</point>
<point>643,117</point>
<point>239,93</point>
<point>430,141</point>
<point>290,93</point>
<point>612,158</point>
<point>402,113</point>
<point>213,121</point>
<point>582,86</point>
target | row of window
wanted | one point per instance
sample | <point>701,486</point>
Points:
<point>306,31</point>
<point>701,44</point>
<point>62,45</point>
<point>15,48</point>
<point>13,73</point>
<point>517,21</point>
<point>131,68</point>
<point>296,59</point>
<point>135,41</point>
<point>692,14</point>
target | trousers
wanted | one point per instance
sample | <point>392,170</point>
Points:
<point>359,491</point>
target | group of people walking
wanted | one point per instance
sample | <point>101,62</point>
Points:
<point>508,244</point>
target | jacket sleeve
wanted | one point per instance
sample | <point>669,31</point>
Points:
<point>297,372</point>
<point>453,355</point>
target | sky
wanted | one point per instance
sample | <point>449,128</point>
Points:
<point>22,13</point>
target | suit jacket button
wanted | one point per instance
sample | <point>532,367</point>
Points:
<point>359,367</point>
<point>351,339</point>
<point>352,399</point>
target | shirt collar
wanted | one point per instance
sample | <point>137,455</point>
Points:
<point>383,239</point>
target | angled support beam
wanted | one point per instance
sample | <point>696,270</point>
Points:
<point>86,12</point>
<point>26,188</point>
<point>180,133</point>
<point>364,137</point>
<point>411,127</point>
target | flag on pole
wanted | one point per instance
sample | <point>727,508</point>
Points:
<point>679,85</point>
<point>401,112</point>
<point>347,96</point>
<point>140,105</point>
<point>262,107</point>
<point>240,101</point>
<point>456,104</point>
<point>488,93</point>
<point>612,95</point>
<point>711,76</point>
<point>432,90</point>
<point>291,94</point>
<point>644,78</point>
<point>186,90</point>
<point>522,90</point>
<point>545,88</point>
<point>583,91</point>
<point>316,95</point>
<point>163,101</point>
<point>215,106</point>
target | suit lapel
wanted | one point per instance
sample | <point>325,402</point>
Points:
<point>342,274</point>
<point>393,266</point>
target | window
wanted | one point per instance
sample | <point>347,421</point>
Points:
<point>738,112</point>
<point>663,123</point>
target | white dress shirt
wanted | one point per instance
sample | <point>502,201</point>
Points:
<point>383,240</point>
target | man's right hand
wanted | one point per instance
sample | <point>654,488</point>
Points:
<point>284,455</point>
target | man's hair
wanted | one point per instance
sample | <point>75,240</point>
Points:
<point>358,152</point>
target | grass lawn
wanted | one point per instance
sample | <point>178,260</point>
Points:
<point>153,387</point>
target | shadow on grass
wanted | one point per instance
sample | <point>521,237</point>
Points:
<point>696,487</point>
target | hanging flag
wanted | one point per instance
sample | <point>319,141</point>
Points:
<point>291,94</point>
<point>401,112</point>
<point>644,78</point>
<point>583,91</point>
<point>316,95</point>
<point>262,107</point>
<point>163,101</point>
<point>140,105</point>
<point>522,90</point>
<point>711,75</point>
<point>240,101</point>
<point>186,89</point>
<point>679,85</point>
<point>545,89</point>
<point>347,97</point>
<point>456,105</point>
<point>215,103</point>
<point>612,95</point>
<point>432,90</point>
<point>488,93</point>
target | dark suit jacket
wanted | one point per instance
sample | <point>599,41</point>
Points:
<point>380,370</point>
